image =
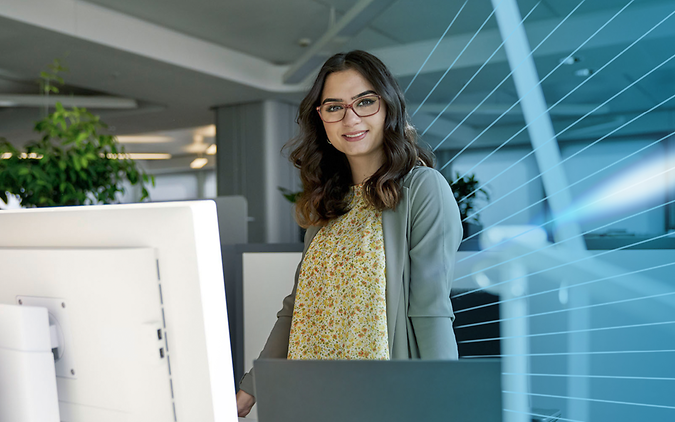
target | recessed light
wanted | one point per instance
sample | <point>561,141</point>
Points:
<point>212,149</point>
<point>207,131</point>
<point>570,60</point>
<point>304,42</point>
<point>198,163</point>
<point>139,156</point>
<point>144,139</point>
<point>583,73</point>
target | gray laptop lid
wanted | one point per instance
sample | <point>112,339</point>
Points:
<point>374,391</point>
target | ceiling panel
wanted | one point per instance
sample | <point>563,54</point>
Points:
<point>173,97</point>
<point>263,28</point>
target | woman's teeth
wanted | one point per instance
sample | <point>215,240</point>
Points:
<point>356,135</point>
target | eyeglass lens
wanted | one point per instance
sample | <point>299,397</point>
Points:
<point>363,107</point>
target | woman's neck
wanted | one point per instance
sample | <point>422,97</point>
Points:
<point>363,167</point>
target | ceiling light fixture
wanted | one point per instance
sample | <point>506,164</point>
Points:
<point>570,60</point>
<point>22,156</point>
<point>102,102</point>
<point>583,73</point>
<point>139,156</point>
<point>144,139</point>
<point>212,149</point>
<point>198,163</point>
<point>207,131</point>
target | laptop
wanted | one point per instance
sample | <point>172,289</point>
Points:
<point>378,391</point>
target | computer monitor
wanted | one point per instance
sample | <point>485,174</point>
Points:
<point>138,297</point>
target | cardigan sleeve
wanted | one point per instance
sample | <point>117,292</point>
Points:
<point>435,234</point>
<point>276,346</point>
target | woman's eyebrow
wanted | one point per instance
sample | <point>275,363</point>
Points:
<point>339,100</point>
<point>364,93</point>
<point>331,100</point>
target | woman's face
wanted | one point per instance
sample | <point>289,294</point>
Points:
<point>357,137</point>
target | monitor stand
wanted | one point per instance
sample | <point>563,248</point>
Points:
<point>27,373</point>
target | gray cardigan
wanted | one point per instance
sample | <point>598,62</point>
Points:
<point>421,237</point>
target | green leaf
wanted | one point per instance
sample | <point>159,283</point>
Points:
<point>23,171</point>
<point>81,137</point>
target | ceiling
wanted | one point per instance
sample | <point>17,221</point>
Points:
<point>180,59</point>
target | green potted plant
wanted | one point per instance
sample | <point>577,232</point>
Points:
<point>73,163</point>
<point>466,190</point>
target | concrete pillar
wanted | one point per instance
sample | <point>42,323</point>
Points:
<point>249,163</point>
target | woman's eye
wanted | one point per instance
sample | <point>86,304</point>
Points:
<point>366,102</point>
<point>333,108</point>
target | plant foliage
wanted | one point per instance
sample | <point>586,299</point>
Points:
<point>73,163</point>
<point>466,191</point>
<point>290,196</point>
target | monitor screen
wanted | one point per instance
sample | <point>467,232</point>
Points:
<point>137,295</point>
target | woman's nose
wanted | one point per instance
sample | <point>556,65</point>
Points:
<point>351,117</point>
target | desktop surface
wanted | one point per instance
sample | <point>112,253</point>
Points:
<point>378,391</point>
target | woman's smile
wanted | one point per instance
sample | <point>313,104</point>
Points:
<point>355,136</point>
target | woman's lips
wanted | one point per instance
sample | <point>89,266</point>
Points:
<point>355,136</point>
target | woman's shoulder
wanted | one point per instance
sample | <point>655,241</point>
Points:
<point>422,175</point>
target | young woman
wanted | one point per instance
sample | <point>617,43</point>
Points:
<point>382,229</point>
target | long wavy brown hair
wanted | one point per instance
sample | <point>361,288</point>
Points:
<point>325,172</point>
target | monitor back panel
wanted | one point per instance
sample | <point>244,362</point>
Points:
<point>374,391</point>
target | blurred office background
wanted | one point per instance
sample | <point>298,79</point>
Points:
<point>563,111</point>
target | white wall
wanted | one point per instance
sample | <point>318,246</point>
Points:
<point>502,204</point>
<point>175,187</point>
<point>172,187</point>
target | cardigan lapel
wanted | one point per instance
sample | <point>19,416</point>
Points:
<point>395,233</point>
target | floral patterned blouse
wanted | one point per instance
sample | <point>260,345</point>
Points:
<point>340,305</point>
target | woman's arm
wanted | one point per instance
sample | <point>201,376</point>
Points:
<point>276,346</point>
<point>436,231</point>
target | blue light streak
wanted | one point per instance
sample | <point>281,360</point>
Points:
<point>571,125</point>
<point>434,49</point>
<point>564,265</point>
<point>556,290</point>
<point>566,310</point>
<point>478,71</point>
<point>555,193</point>
<point>457,58</point>
<point>528,92</point>
<point>593,400</point>
<point>587,330</point>
<point>590,376</point>
<point>559,243</point>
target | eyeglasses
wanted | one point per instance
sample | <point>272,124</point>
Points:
<point>362,107</point>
